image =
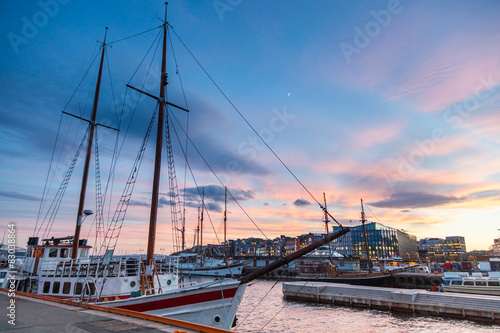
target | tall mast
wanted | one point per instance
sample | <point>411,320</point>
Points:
<point>86,167</point>
<point>201,227</point>
<point>363,220</point>
<point>326,226</point>
<point>183,232</point>
<point>225,221</point>
<point>197,237</point>
<point>159,146</point>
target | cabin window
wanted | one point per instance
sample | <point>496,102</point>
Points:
<point>457,282</point>
<point>480,283</point>
<point>46,287</point>
<point>55,287</point>
<point>90,286</point>
<point>446,282</point>
<point>78,288</point>
<point>66,287</point>
<point>494,283</point>
<point>64,253</point>
<point>468,283</point>
<point>84,253</point>
<point>52,253</point>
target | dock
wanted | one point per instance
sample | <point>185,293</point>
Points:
<point>35,313</point>
<point>482,308</point>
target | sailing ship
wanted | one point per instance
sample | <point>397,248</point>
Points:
<point>192,264</point>
<point>62,267</point>
<point>201,264</point>
<point>319,268</point>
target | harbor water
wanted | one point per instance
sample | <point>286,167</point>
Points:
<point>263,309</point>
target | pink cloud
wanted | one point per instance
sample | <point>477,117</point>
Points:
<point>453,73</point>
<point>419,60</point>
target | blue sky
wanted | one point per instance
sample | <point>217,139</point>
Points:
<point>395,102</point>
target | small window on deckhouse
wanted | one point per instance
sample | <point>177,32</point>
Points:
<point>52,253</point>
<point>46,287</point>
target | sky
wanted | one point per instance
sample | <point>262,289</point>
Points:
<point>393,102</point>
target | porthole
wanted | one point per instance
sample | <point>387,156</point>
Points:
<point>132,284</point>
<point>217,319</point>
<point>169,282</point>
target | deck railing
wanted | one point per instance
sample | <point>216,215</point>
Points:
<point>124,266</point>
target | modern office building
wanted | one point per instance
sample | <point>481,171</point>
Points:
<point>451,248</point>
<point>383,242</point>
<point>496,247</point>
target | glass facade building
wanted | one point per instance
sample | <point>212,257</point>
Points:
<point>383,242</point>
<point>443,249</point>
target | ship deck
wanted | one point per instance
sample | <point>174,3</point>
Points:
<point>44,314</point>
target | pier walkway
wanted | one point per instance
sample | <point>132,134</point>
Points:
<point>39,314</point>
<point>475,307</point>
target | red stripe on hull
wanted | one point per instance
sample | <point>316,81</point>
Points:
<point>180,301</point>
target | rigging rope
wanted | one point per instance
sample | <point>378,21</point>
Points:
<point>253,129</point>
<point>199,189</point>
<point>187,131</point>
<point>138,34</point>
<point>145,56</point>
<point>217,177</point>
<point>174,190</point>
<point>60,193</point>
<point>114,228</point>
<point>42,202</point>
<point>99,216</point>
<point>258,303</point>
<point>46,186</point>
<point>284,305</point>
<point>81,81</point>
<point>372,213</point>
<point>114,158</point>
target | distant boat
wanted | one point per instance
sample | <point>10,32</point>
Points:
<point>325,271</point>
<point>475,283</point>
<point>17,256</point>
<point>323,266</point>
<point>191,265</point>
<point>198,264</point>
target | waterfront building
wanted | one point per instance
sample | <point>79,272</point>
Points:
<point>496,247</point>
<point>383,242</point>
<point>451,248</point>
